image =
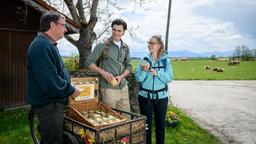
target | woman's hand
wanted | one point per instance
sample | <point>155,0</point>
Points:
<point>153,72</point>
<point>145,67</point>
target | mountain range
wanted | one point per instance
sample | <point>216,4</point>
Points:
<point>185,53</point>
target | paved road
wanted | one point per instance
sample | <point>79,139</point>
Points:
<point>226,108</point>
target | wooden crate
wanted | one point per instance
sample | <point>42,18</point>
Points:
<point>74,111</point>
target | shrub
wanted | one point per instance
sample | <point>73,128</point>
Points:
<point>213,57</point>
<point>71,64</point>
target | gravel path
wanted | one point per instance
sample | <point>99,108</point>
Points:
<point>226,108</point>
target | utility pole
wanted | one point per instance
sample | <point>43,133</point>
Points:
<point>168,24</point>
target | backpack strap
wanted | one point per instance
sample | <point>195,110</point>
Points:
<point>146,59</point>
<point>104,54</point>
<point>153,91</point>
<point>126,48</point>
<point>164,62</point>
<point>106,47</point>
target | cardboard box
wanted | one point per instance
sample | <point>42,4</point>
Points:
<point>87,91</point>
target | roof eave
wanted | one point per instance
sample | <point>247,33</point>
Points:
<point>43,7</point>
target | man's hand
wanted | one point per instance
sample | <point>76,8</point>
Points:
<point>76,93</point>
<point>107,76</point>
<point>119,79</point>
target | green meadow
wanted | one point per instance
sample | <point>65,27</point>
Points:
<point>14,126</point>
<point>193,69</point>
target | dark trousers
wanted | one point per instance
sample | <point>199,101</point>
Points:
<point>51,123</point>
<point>159,107</point>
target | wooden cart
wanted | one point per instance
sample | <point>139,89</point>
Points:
<point>132,129</point>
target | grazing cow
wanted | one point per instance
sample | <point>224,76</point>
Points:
<point>233,62</point>
<point>206,67</point>
<point>218,69</point>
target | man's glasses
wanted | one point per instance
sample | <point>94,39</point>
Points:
<point>64,25</point>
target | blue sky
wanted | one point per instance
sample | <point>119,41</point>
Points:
<point>196,25</point>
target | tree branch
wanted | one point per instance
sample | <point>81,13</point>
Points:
<point>72,10</point>
<point>93,12</point>
<point>80,9</point>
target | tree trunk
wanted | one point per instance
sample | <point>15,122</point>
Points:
<point>87,36</point>
<point>84,45</point>
<point>84,51</point>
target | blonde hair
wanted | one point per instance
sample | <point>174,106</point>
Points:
<point>159,39</point>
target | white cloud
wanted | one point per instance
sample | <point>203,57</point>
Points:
<point>196,25</point>
<point>202,32</point>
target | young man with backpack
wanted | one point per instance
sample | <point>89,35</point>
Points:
<point>111,59</point>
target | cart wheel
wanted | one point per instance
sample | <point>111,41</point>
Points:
<point>34,130</point>
<point>34,126</point>
<point>68,138</point>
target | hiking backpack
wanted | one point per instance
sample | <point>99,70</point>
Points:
<point>164,62</point>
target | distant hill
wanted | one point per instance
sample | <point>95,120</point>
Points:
<point>219,53</point>
<point>185,53</point>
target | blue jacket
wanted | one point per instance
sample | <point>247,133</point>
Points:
<point>47,77</point>
<point>150,82</point>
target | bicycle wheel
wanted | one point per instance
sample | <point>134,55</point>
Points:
<point>68,138</point>
<point>34,126</point>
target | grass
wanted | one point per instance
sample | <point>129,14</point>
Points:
<point>187,132</point>
<point>14,125</point>
<point>14,128</point>
<point>194,70</point>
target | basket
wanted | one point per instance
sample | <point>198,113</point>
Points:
<point>74,111</point>
<point>75,108</point>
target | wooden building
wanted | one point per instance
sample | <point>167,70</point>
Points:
<point>19,25</point>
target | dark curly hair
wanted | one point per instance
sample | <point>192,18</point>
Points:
<point>119,22</point>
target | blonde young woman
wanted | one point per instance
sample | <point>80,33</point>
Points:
<point>154,72</point>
